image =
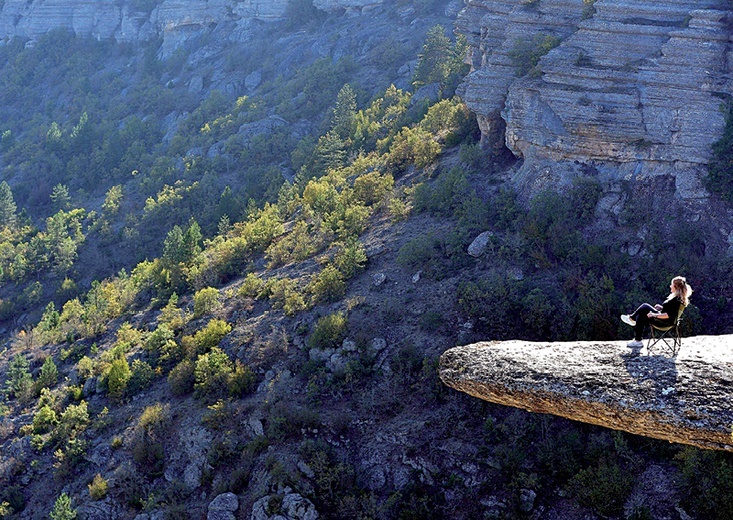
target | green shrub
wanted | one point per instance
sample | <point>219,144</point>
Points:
<point>211,335</point>
<point>147,443</point>
<point>73,422</point>
<point>707,483</point>
<point>328,285</point>
<point>160,344</point>
<point>329,331</point>
<point>117,378</point>
<point>604,488</point>
<point>252,286</point>
<point>48,375</point>
<point>19,382</point>
<point>205,301</point>
<point>62,509</point>
<point>142,375</point>
<point>286,293</point>
<point>44,420</point>
<point>525,54</point>
<point>172,316</point>
<point>212,374</point>
<point>449,120</point>
<point>349,221</point>
<point>181,378</point>
<point>419,251</point>
<point>154,418</point>
<point>411,147</point>
<point>301,243</point>
<point>241,381</point>
<point>446,193</point>
<point>371,187</point>
<point>97,487</point>
<point>351,258</point>
<point>440,61</point>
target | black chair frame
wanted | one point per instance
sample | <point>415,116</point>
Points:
<point>669,336</point>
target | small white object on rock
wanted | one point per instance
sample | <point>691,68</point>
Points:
<point>416,277</point>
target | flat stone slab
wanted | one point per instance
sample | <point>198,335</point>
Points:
<point>684,399</point>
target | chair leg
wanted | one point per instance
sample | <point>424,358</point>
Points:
<point>667,336</point>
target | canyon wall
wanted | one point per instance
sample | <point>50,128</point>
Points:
<point>172,20</point>
<point>632,89</point>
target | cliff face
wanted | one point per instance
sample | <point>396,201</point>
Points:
<point>683,399</point>
<point>633,89</point>
<point>173,20</point>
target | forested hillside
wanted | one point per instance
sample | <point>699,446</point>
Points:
<point>228,298</point>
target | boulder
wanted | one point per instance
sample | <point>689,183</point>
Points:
<point>223,507</point>
<point>480,244</point>
<point>379,278</point>
<point>683,399</point>
<point>293,507</point>
<point>224,502</point>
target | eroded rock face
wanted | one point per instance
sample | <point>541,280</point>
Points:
<point>633,89</point>
<point>685,399</point>
<point>174,20</point>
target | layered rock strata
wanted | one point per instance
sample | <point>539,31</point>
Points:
<point>634,88</point>
<point>685,399</point>
<point>174,20</point>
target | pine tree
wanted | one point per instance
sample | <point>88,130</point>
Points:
<point>48,376</point>
<point>60,197</point>
<point>19,381</point>
<point>118,377</point>
<point>7,206</point>
<point>173,250</point>
<point>192,241</point>
<point>342,120</point>
<point>62,509</point>
<point>441,61</point>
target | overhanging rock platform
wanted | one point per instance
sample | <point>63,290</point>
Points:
<point>685,399</point>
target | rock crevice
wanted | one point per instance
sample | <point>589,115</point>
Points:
<point>685,399</point>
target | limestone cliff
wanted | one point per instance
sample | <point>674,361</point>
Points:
<point>173,20</point>
<point>634,89</point>
<point>685,399</point>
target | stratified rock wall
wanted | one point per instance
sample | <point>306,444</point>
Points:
<point>174,20</point>
<point>685,399</point>
<point>635,87</point>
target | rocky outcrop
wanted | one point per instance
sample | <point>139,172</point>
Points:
<point>292,507</point>
<point>632,89</point>
<point>684,399</point>
<point>173,20</point>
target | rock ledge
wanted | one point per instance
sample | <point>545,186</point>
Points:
<point>685,399</point>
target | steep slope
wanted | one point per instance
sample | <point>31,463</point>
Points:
<point>287,364</point>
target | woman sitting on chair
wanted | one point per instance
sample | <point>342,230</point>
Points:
<point>662,315</point>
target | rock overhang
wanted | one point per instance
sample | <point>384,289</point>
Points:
<point>683,399</point>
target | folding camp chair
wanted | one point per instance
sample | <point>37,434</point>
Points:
<point>669,335</point>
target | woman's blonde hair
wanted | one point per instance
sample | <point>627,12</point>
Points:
<point>682,289</point>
